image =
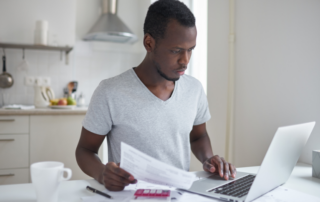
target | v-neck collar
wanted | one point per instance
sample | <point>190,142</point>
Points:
<point>146,89</point>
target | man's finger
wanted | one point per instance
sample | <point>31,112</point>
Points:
<point>209,167</point>
<point>119,179</point>
<point>113,182</point>
<point>114,188</point>
<point>122,173</point>
<point>233,171</point>
<point>226,169</point>
<point>217,160</point>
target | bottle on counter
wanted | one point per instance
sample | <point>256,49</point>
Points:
<point>81,101</point>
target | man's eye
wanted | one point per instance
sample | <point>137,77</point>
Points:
<point>175,51</point>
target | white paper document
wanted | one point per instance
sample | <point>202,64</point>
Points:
<point>146,168</point>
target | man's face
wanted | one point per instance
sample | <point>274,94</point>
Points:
<point>173,52</point>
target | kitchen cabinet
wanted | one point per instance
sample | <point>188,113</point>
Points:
<point>30,136</point>
<point>55,138</point>
<point>14,176</point>
<point>14,124</point>
<point>14,149</point>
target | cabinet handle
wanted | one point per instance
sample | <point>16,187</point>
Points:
<point>6,175</point>
<point>2,140</point>
<point>7,120</point>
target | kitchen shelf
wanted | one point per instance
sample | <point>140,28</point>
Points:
<point>65,49</point>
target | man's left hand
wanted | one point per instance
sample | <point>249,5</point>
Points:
<point>218,165</point>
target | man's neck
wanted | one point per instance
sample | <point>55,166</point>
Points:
<point>149,76</point>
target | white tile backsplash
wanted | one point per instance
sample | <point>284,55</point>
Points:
<point>86,66</point>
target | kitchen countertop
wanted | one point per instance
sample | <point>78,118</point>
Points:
<point>44,111</point>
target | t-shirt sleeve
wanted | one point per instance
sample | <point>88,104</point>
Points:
<point>203,113</point>
<point>98,118</point>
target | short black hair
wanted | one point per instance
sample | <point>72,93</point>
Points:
<point>161,12</point>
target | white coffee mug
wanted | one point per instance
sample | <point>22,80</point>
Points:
<point>46,177</point>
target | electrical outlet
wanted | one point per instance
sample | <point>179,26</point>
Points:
<point>46,81</point>
<point>29,81</point>
<point>38,81</point>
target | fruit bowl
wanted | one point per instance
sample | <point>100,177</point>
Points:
<point>62,106</point>
<point>63,103</point>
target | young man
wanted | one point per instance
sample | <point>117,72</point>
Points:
<point>153,107</point>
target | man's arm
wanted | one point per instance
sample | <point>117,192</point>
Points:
<point>200,143</point>
<point>110,175</point>
<point>201,148</point>
<point>87,154</point>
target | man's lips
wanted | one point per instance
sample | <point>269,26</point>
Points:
<point>181,72</point>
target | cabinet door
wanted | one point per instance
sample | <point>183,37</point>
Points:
<point>14,176</point>
<point>55,138</point>
<point>14,151</point>
<point>14,124</point>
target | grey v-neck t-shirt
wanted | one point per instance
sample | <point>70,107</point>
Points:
<point>125,110</point>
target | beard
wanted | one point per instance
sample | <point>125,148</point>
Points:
<point>163,75</point>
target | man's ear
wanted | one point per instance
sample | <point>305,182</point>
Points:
<point>149,43</point>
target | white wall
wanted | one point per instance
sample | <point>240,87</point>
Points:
<point>17,20</point>
<point>69,20</point>
<point>278,69</point>
<point>277,81</point>
<point>218,37</point>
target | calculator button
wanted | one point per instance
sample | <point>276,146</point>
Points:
<point>165,193</point>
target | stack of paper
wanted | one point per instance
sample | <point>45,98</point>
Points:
<point>148,169</point>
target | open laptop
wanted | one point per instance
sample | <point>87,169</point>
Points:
<point>278,163</point>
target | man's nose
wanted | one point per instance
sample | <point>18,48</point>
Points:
<point>184,58</point>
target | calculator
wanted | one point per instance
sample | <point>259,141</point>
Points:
<point>152,193</point>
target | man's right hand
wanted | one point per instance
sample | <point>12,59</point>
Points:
<point>115,178</point>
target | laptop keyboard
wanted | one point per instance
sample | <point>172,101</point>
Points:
<point>237,188</point>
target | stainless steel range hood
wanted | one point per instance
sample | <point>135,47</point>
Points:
<point>110,27</point>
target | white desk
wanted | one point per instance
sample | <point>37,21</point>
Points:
<point>71,191</point>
